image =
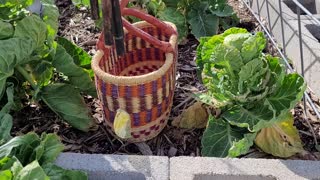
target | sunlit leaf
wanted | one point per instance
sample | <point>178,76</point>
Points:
<point>282,139</point>
<point>122,124</point>
<point>195,116</point>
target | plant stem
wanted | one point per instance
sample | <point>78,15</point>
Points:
<point>25,74</point>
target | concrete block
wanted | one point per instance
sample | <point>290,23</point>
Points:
<point>117,167</point>
<point>200,168</point>
<point>270,11</point>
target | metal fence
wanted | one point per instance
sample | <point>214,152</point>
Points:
<point>300,9</point>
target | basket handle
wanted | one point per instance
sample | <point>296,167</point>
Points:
<point>163,45</point>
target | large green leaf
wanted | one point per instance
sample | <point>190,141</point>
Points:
<point>177,18</point>
<point>22,147</point>
<point>5,117</point>
<point>32,27</point>
<point>202,23</point>
<point>13,51</point>
<point>5,127</point>
<point>52,147</point>
<point>50,17</point>
<point>80,57</point>
<point>6,30</point>
<point>67,102</point>
<point>32,171</point>
<point>250,118</point>
<point>57,173</point>
<point>78,77</point>
<point>281,139</point>
<point>219,137</point>
<point>288,94</point>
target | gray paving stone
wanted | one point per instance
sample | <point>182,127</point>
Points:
<point>201,168</point>
<point>117,167</point>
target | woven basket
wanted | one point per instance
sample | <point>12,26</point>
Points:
<point>142,81</point>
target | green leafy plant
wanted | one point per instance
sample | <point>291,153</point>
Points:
<point>202,17</point>
<point>33,64</point>
<point>32,157</point>
<point>253,92</point>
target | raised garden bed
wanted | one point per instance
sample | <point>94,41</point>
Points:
<point>76,25</point>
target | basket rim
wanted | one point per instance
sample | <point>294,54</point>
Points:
<point>139,79</point>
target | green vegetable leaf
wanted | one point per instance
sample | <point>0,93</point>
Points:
<point>222,9</point>
<point>277,72</point>
<point>12,164</point>
<point>236,40</point>
<point>6,175</point>
<point>253,47</point>
<point>5,127</point>
<point>57,173</point>
<point>10,57</point>
<point>202,23</point>
<point>252,76</point>
<point>5,117</point>
<point>22,147</point>
<point>242,146</point>
<point>32,27</point>
<point>234,30</point>
<point>282,139</point>
<point>177,18</point>
<point>52,148</point>
<point>67,102</point>
<point>78,77</point>
<point>50,17</point>
<point>80,57</point>
<point>6,30</point>
<point>249,118</point>
<point>41,72</point>
<point>228,57</point>
<point>32,171</point>
<point>10,3</point>
<point>219,137</point>
<point>288,94</point>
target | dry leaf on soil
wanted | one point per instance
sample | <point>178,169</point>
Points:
<point>282,139</point>
<point>122,124</point>
<point>196,116</point>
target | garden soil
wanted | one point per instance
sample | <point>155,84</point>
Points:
<point>77,26</point>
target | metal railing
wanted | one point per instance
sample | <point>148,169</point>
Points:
<point>282,52</point>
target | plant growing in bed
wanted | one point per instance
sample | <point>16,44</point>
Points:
<point>202,17</point>
<point>31,57</point>
<point>253,92</point>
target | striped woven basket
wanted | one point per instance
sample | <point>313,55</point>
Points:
<point>142,81</point>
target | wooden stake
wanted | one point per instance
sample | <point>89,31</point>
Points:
<point>118,27</point>
<point>94,4</point>
<point>107,22</point>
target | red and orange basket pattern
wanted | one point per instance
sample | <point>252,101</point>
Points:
<point>141,82</point>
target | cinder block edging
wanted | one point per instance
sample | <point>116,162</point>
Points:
<point>133,167</point>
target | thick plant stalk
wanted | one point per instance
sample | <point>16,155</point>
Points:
<point>25,74</point>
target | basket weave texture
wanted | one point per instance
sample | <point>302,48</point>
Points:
<point>141,82</point>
